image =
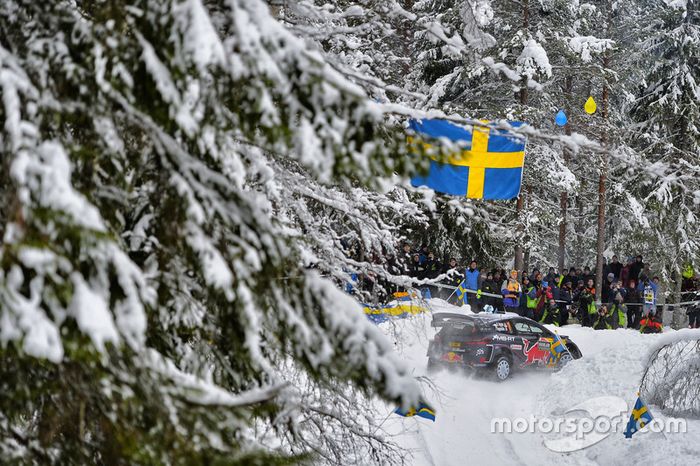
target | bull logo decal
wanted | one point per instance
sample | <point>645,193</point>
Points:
<point>532,353</point>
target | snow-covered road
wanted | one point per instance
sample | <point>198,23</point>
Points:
<point>611,366</point>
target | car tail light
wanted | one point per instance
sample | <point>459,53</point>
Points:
<point>482,359</point>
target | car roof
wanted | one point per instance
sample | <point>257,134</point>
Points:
<point>482,318</point>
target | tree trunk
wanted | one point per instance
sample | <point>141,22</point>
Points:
<point>600,243</point>
<point>518,262</point>
<point>564,196</point>
<point>680,318</point>
<point>563,201</point>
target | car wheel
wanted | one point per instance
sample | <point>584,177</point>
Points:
<point>502,368</point>
<point>564,360</point>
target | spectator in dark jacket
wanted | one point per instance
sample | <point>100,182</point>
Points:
<point>586,306</point>
<point>615,267</point>
<point>603,319</point>
<point>552,277</point>
<point>625,273</point>
<point>417,270</point>
<point>607,286</point>
<point>489,285</point>
<point>566,297</point>
<point>618,312</point>
<point>636,269</point>
<point>550,314</point>
<point>432,266</point>
<point>633,300</point>
<point>528,298</point>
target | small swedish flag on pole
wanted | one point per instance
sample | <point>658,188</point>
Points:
<point>556,349</point>
<point>423,411</point>
<point>640,417</point>
<point>461,291</point>
<point>558,346</point>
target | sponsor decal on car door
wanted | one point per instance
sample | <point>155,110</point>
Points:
<point>535,351</point>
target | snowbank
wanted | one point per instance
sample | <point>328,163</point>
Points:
<point>612,365</point>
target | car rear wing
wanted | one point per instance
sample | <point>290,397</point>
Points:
<point>441,319</point>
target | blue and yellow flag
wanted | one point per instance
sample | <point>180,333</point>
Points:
<point>423,411</point>
<point>461,291</point>
<point>640,417</point>
<point>490,166</point>
<point>557,347</point>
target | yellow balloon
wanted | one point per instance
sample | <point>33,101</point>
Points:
<point>590,106</point>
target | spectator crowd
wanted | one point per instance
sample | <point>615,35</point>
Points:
<point>628,295</point>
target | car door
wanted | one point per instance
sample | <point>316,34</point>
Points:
<point>536,342</point>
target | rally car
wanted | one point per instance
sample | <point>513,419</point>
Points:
<point>496,343</point>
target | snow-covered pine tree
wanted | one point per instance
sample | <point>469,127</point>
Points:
<point>668,114</point>
<point>151,303</point>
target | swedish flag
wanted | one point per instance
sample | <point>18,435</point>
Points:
<point>489,167</point>
<point>461,291</point>
<point>423,411</point>
<point>557,347</point>
<point>640,417</point>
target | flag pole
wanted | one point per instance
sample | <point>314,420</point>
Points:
<point>382,423</point>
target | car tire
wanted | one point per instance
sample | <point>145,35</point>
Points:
<point>565,359</point>
<point>502,368</point>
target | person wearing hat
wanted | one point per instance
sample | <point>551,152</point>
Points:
<point>636,268</point>
<point>603,319</point>
<point>550,314</point>
<point>489,286</point>
<point>605,293</point>
<point>472,281</point>
<point>511,291</point>
<point>615,266</point>
<point>618,311</point>
<point>566,298</point>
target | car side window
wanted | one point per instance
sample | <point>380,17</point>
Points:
<point>540,330</point>
<point>522,327</point>
<point>530,328</point>
<point>503,327</point>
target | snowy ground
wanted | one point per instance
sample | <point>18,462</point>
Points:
<point>612,366</point>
